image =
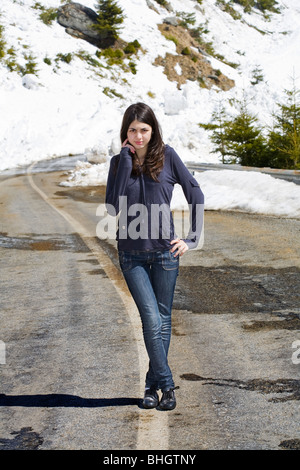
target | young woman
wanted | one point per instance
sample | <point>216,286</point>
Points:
<point>139,188</point>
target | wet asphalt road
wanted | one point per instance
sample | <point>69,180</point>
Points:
<point>74,367</point>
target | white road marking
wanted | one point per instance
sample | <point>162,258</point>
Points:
<point>153,430</point>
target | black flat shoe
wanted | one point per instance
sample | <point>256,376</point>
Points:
<point>168,400</point>
<point>150,398</point>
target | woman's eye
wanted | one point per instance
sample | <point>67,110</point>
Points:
<point>133,131</point>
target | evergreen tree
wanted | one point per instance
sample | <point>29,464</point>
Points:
<point>284,139</point>
<point>238,140</point>
<point>218,127</point>
<point>246,144</point>
<point>257,76</point>
<point>262,5</point>
<point>110,17</point>
<point>265,5</point>
<point>2,42</point>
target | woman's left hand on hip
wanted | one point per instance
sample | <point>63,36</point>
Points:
<point>179,247</point>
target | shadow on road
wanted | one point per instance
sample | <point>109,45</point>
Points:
<point>63,400</point>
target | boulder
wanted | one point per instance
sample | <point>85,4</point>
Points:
<point>79,22</point>
<point>173,20</point>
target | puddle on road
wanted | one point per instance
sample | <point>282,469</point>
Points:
<point>97,272</point>
<point>25,439</point>
<point>285,321</point>
<point>289,387</point>
<point>84,194</point>
<point>67,242</point>
<point>240,289</point>
<point>290,444</point>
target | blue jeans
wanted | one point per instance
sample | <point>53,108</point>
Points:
<point>151,279</point>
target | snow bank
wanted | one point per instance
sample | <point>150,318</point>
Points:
<point>250,192</point>
<point>223,189</point>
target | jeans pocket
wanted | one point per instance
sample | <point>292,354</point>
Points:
<point>169,261</point>
<point>125,261</point>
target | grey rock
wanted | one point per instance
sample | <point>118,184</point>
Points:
<point>172,20</point>
<point>79,22</point>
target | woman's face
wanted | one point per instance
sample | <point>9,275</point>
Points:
<point>139,135</point>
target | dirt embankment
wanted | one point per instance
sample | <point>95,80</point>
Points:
<point>189,63</point>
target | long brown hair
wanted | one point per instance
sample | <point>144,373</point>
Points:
<point>154,160</point>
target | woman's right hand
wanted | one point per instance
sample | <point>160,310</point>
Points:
<point>126,144</point>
